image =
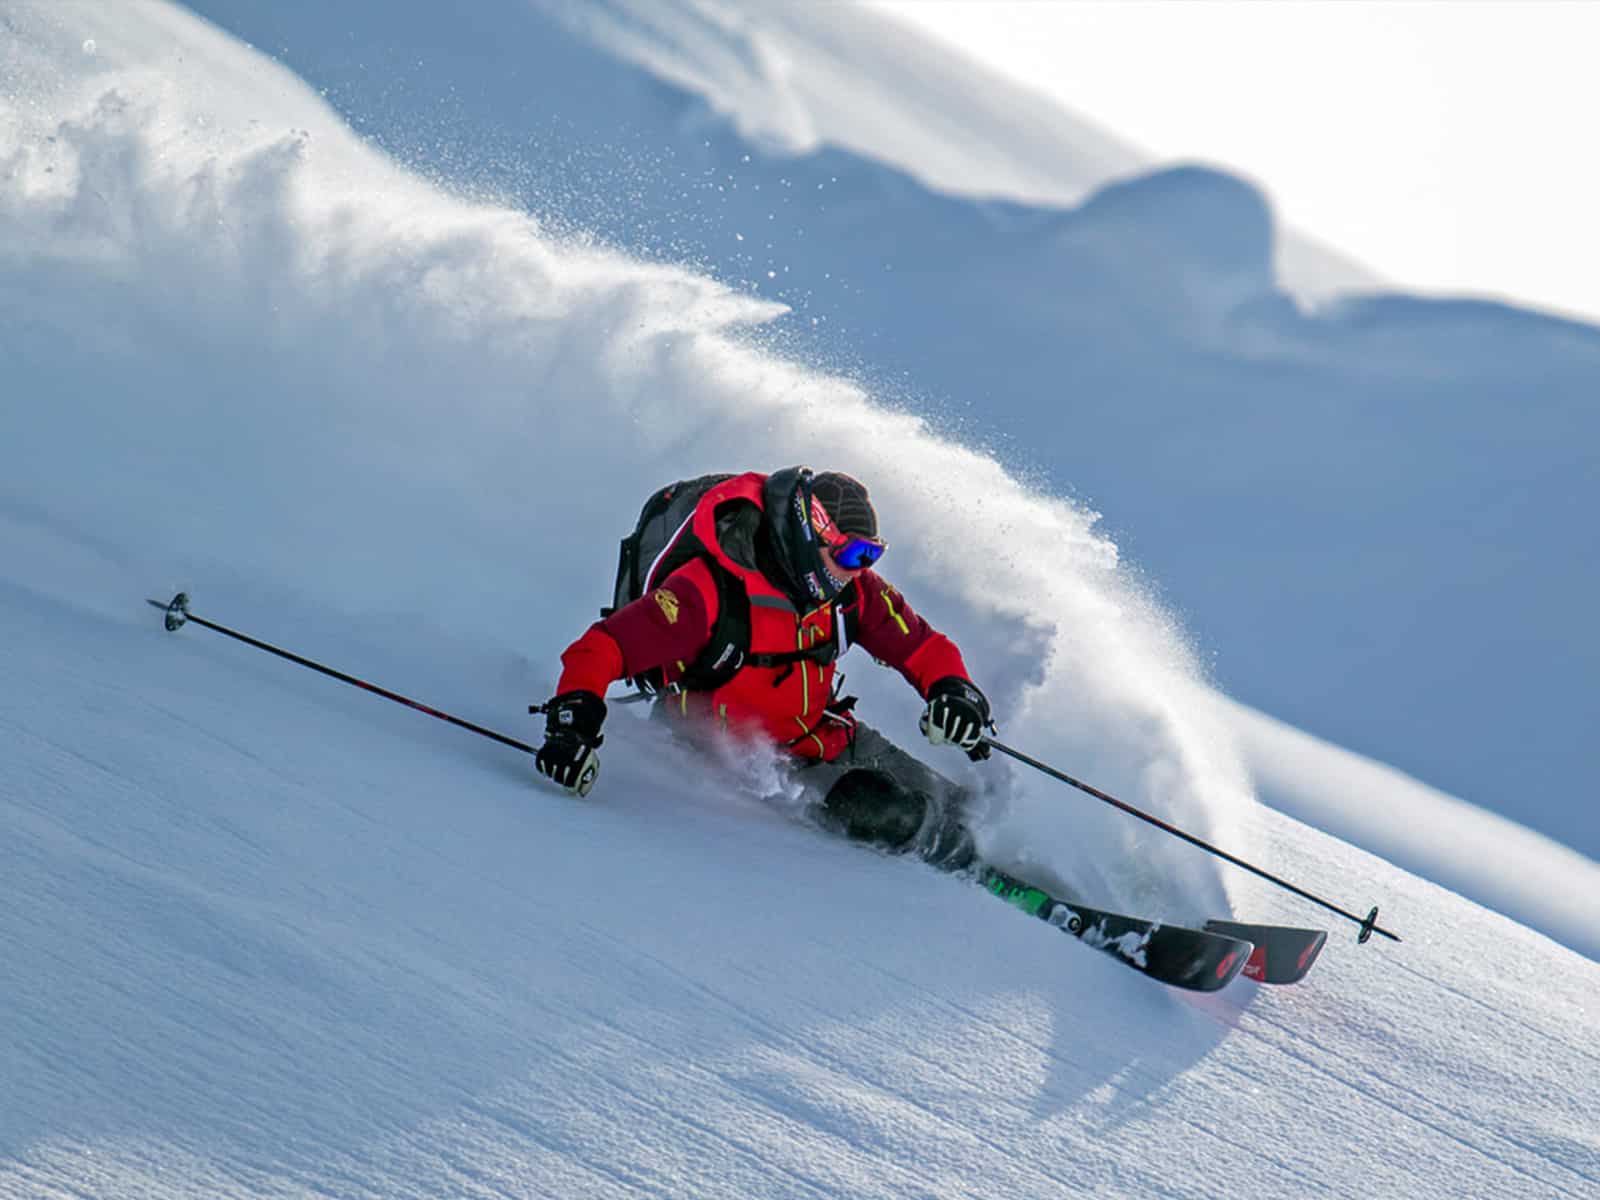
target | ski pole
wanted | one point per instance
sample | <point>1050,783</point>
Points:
<point>178,615</point>
<point>1369,925</point>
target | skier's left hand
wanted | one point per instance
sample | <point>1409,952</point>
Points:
<point>957,714</point>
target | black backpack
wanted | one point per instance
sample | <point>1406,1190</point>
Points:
<point>643,562</point>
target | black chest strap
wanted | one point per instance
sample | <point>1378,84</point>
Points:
<point>822,655</point>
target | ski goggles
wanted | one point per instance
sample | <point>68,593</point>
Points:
<point>851,551</point>
<point>855,553</point>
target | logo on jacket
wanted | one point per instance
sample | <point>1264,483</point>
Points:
<point>668,604</point>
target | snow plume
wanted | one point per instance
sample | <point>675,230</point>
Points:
<point>263,362</point>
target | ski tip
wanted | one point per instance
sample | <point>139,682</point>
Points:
<point>1232,964</point>
<point>1283,954</point>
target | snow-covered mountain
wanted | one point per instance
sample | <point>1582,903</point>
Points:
<point>264,934</point>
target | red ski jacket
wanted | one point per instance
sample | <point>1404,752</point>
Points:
<point>670,626</point>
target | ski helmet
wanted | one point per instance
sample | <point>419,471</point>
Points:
<point>847,502</point>
<point>789,496</point>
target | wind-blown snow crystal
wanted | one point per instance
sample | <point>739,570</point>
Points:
<point>414,405</point>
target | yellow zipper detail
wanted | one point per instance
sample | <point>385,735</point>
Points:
<point>898,619</point>
<point>805,684</point>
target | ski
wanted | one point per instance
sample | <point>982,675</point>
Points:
<point>1194,959</point>
<point>1281,955</point>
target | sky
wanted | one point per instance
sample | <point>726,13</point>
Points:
<point>1449,147</point>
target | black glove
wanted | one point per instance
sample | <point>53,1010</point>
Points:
<point>571,737</point>
<point>957,714</point>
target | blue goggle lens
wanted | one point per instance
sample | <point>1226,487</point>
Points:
<point>857,553</point>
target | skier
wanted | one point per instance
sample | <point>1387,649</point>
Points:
<point>768,581</point>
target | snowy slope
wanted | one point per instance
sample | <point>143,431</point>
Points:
<point>263,934</point>
<point>267,936</point>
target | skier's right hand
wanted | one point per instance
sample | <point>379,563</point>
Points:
<point>571,737</point>
<point>957,714</point>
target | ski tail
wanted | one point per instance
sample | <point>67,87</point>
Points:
<point>1282,954</point>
